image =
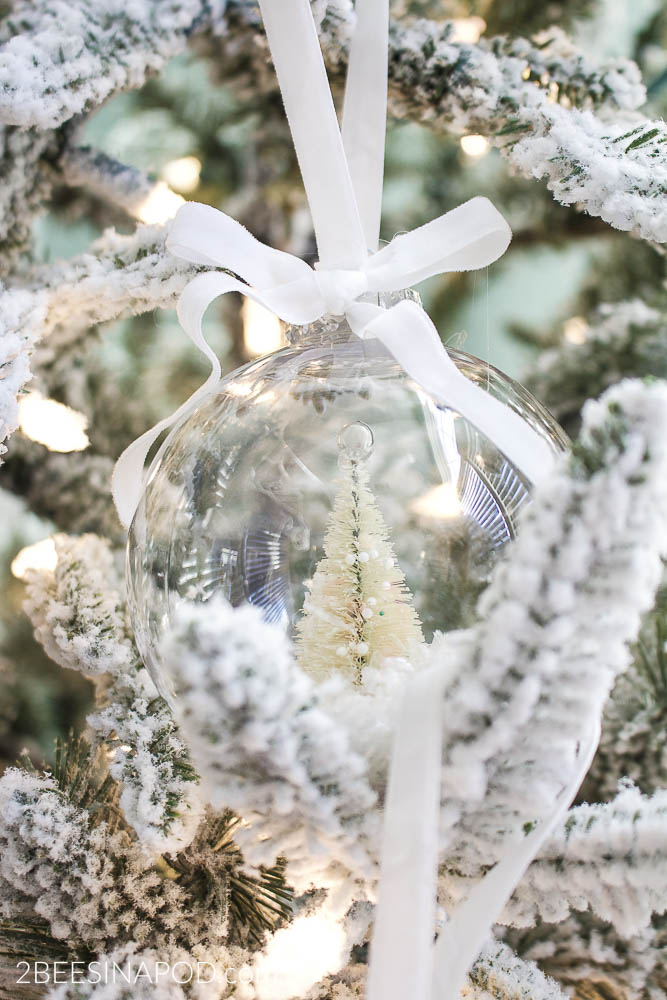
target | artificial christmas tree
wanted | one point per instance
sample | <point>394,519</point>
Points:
<point>122,854</point>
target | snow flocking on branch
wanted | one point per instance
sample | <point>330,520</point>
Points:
<point>264,743</point>
<point>87,882</point>
<point>590,144</point>
<point>583,157</point>
<point>119,276</point>
<point>86,51</point>
<point>499,973</point>
<point>52,484</point>
<point>533,674</point>
<point>85,55</point>
<point>97,890</point>
<point>79,619</point>
<point>611,857</point>
<point>633,738</point>
<point>623,338</point>
<point>76,617</point>
<point>26,158</point>
<point>589,957</point>
<point>22,315</point>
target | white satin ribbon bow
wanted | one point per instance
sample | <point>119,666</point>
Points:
<point>469,237</point>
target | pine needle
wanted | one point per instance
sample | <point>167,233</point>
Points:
<point>79,773</point>
<point>254,906</point>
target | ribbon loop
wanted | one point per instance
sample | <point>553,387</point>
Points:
<point>468,237</point>
<point>203,235</point>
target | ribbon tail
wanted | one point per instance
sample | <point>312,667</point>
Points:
<point>401,953</point>
<point>410,336</point>
<point>127,478</point>
<point>402,950</point>
<point>462,938</point>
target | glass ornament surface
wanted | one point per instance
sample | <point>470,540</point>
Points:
<point>238,497</point>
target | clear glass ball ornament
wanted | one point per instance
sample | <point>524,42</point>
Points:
<point>239,495</point>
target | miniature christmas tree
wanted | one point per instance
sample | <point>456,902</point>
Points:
<point>358,610</point>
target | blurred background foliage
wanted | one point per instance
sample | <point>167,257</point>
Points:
<point>211,141</point>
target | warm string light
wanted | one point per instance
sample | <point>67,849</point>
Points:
<point>551,86</point>
<point>300,955</point>
<point>575,330</point>
<point>467,30</point>
<point>183,174</point>
<point>58,427</point>
<point>39,556</point>
<point>262,331</point>
<point>164,200</point>
<point>441,502</point>
<point>159,206</point>
<point>474,145</point>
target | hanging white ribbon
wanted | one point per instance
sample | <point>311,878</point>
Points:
<point>403,959</point>
<point>365,112</point>
<point>304,86</point>
<point>338,177</point>
<point>471,236</point>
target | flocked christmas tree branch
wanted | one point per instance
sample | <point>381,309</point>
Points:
<point>26,158</point>
<point>116,184</point>
<point>611,858</point>
<point>85,880</point>
<point>263,741</point>
<point>86,52</point>
<point>85,56</point>
<point>623,339</point>
<point>589,549</point>
<point>75,884</point>
<point>633,732</point>
<point>614,171</point>
<point>120,276</point>
<point>52,484</point>
<point>499,974</point>
<point>79,619</point>
<point>591,960</point>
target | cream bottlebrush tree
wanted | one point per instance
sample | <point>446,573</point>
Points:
<point>358,610</point>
